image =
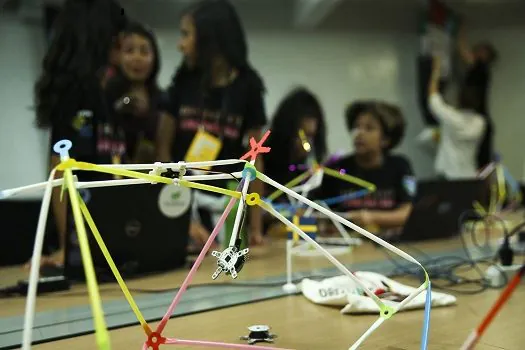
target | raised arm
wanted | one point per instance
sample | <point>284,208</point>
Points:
<point>441,111</point>
<point>465,51</point>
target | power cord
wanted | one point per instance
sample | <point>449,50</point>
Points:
<point>449,272</point>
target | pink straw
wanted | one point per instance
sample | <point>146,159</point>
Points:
<point>212,344</point>
<point>196,265</point>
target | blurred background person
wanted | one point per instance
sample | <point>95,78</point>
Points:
<point>299,110</point>
<point>215,92</point>
<point>462,130</point>
<point>376,128</point>
<point>68,94</point>
<point>479,60</point>
<point>133,93</point>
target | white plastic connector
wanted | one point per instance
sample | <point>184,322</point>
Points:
<point>496,274</point>
<point>182,169</point>
<point>290,288</point>
<point>158,169</point>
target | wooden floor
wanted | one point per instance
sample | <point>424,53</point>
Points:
<point>298,323</point>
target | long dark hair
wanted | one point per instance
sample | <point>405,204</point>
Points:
<point>79,49</point>
<point>119,84</point>
<point>471,98</point>
<point>219,33</point>
<point>299,103</point>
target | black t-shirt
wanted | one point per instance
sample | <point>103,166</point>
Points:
<point>84,120</point>
<point>136,129</point>
<point>394,181</point>
<point>226,112</point>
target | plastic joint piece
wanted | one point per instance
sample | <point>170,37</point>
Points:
<point>182,170</point>
<point>62,148</point>
<point>249,169</point>
<point>387,311</point>
<point>253,199</point>
<point>158,170</point>
<point>154,340</point>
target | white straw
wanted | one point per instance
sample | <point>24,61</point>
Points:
<point>35,265</point>
<point>110,183</point>
<point>29,188</point>
<point>370,330</point>
<point>240,208</point>
<point>289,247</point>
<point>174,166</point>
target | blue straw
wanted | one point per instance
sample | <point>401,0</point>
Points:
<point>426,321</point>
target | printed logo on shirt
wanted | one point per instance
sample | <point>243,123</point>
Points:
<point>193,118</point>
<point>380,199</point>
<point>409,183</point>
<point>82,123</point>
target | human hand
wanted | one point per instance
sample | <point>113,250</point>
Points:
<point>199,233</point>
<point>360,217</point>
<point>256,238</point>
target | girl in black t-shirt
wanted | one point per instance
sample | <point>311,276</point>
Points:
<point>215,90</point>
<point>133,94</point>
<point>299,110</point>
<point>376,129</point>
<point>68,95</point>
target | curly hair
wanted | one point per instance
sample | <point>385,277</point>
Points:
<point>299,103</point>
<point>389,116</point>
<point>219,33</point>
<point>79,49</point>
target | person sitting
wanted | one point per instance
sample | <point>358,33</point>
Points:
<point>216,94</point>
<point>299,111</point>
<point>376,128</point>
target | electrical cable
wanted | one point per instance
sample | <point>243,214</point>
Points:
<point>447,272</point>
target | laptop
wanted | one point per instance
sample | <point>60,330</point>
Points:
<point>145,228</point>
<point>437,207</point>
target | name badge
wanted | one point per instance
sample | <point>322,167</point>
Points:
<point>204,147</point>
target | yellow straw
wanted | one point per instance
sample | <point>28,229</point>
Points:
<point>479,208</point>
<point>290,184</point>
<point>111,263</point>
<point>101,331</point>
<point>350,178</point>
<point>204,187</point>
<point>502,190</point>
<point>138,175</point>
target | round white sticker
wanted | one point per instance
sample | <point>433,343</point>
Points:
<point>174,200</point>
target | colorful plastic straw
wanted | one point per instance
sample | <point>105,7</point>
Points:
<point>155,338</point>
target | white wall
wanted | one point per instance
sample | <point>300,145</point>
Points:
<point>22,147</point>
<point>507,98</point>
